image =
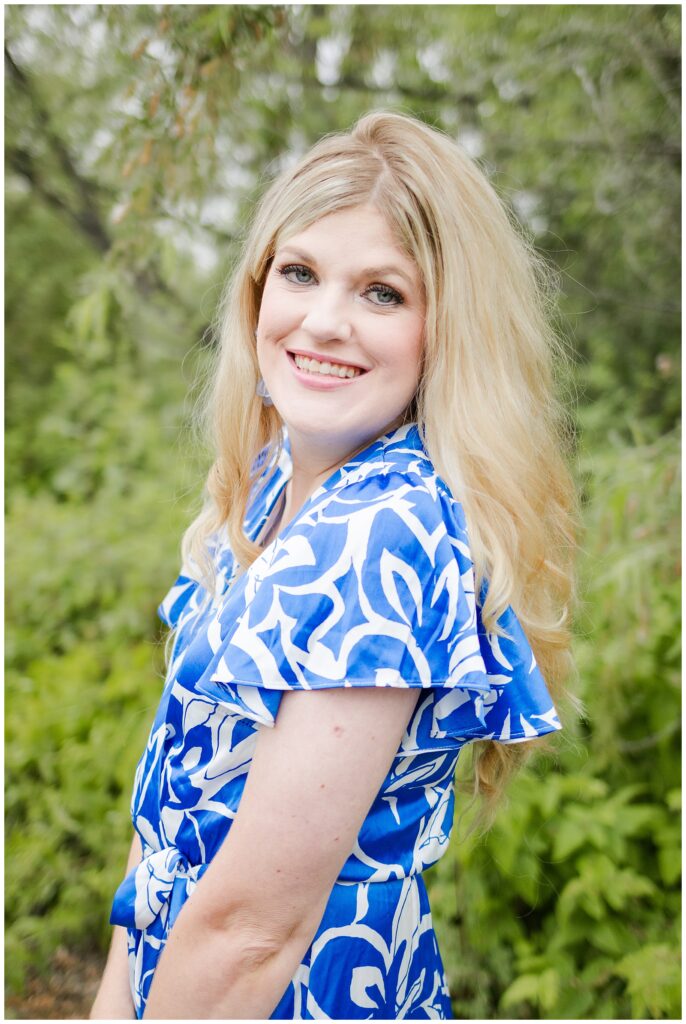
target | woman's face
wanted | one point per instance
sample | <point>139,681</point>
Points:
<point>344,294</point>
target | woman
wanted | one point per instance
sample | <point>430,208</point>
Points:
<point>388,488</point>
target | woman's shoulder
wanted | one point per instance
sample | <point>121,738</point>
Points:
<point>399,475</point>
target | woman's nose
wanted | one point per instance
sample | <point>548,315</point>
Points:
<point>328,319</point>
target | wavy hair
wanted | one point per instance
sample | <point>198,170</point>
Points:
<point>487,405</point>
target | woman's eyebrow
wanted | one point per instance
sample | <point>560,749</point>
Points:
<point>379,271</point>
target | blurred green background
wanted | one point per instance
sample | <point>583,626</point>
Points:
<point>137,139</point>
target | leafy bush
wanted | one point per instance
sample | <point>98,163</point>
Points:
<point>92,546</point>
<point>570,907</point>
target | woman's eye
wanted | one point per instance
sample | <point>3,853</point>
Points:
<point>385,296</point>
<point>296,273</point>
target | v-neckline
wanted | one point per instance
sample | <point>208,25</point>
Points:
<point>338,476</point>
<point>264,504</point>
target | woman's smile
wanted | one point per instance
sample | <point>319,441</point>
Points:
<point>325,375</point>
<point>317,364</point>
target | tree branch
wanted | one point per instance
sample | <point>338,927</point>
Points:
<point>23,164</point>
<point>86,216</point>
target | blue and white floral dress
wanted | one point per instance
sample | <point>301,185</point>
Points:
<point>371,584</point>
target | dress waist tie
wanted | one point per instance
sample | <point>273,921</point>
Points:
<point>162,880</point>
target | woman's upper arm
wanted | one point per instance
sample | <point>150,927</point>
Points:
<point>312,780</point>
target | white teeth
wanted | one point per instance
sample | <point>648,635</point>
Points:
<point>331,369</point>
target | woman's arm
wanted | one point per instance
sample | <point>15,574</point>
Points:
<point>114,1001</point>
<point>242,934</point>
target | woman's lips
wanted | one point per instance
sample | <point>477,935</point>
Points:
<point>320,381</point>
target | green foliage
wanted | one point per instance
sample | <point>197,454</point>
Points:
<point>137,138</point>
<point>653,977</point>
<point>86,566</point>
<point>92,545</point>
<point>580,877</point>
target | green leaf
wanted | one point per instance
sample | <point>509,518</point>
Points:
<point>523,989</point>
<point>653,978</point>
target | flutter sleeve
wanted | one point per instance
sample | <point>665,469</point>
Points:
<point>375,589</point>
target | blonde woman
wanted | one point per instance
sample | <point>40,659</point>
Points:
<point>381,575</point>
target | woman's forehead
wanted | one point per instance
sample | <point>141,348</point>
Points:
<point>364,232</point>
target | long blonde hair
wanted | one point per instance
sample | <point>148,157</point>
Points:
<point>487,404</point>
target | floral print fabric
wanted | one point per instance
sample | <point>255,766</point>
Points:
<point>371,584</point>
